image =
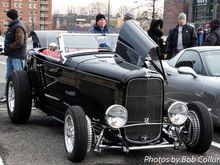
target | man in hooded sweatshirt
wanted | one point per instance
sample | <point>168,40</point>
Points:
<point>15,45</point>
<point>214,35</point>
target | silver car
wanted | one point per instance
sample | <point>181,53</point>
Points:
<point>194,74</point>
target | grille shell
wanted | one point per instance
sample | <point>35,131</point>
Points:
<point>144,102</point>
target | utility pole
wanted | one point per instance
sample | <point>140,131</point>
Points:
<point>153,12</point>
<point>108,11</point>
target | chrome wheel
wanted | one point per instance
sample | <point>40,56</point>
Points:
<point>11,96</point>
<point>69,133</point>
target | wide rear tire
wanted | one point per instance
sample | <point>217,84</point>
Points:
<point>75,134</point>
<point>18,96</point>
<point>200,128</point>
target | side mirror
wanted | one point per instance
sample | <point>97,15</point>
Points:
<point>187,70</point>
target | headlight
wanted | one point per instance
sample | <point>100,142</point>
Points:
<point>116,116</point>
<point>178,113</point>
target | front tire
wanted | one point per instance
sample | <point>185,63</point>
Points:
<point>199,127</point>
<point>18,96</point>
<point>75,134</point>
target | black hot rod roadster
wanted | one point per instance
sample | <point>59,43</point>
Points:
<point>108,90</point>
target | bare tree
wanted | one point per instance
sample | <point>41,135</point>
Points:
<point>122,10</point>
<point>98,7</point>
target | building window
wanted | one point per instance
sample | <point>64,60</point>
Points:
<point>20,12</point>
<point>16,5</point>
<point>20,5</point>
<point>30,19</point>
<point>203,11</point>
<point>30,5</point>
<point>5,4</point>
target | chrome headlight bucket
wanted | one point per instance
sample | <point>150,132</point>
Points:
<point>116,116</point>
<point>178,113</point>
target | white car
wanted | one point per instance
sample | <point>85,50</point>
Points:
<point>2,40</point>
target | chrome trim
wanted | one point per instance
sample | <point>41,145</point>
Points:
<point>52,97</point>
<point>99,141</point>
<point>162,145</point>
<point>49,76</point>
<point>11,97</point>
<point>89,127</point>
<point>140,124</point>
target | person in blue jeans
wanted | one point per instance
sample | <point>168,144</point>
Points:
<point>15,45</point>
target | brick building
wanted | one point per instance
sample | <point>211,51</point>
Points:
<point>35,14</point>
<point>172,8</point>
<point>199,12</point>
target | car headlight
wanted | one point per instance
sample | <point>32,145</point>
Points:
<point>116,116</point>
<point>178,113</point>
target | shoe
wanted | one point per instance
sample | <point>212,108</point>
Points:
<point>3,100</point>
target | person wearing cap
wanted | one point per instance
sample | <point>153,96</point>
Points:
<point>100,26</point>
<point>128,16</point>
<point>15,44</point>
<point>214,35</point>
<point>181,37</point>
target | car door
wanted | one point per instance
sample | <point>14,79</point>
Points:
<point>185,87</point>
<point>49,70</point>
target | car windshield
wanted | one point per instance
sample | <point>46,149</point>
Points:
<point>72,42</point>
<point>211,59</point>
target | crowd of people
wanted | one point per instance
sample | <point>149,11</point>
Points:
<point>180,37</point>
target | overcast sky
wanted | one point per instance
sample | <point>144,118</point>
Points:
<point>61,5</point>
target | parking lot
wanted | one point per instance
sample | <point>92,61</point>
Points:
<point>40,141</point>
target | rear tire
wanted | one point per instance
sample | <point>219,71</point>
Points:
<point>200,128</point>
<point>75,134</point>
<point>18,96</point>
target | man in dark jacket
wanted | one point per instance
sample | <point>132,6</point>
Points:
<point>181,37</point>
<point>100,26</point>
<point>214,35</point>
<point>15,45</point>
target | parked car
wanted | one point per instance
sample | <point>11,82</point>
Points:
<point>108,90</point>
<point>194,74</point>
<point>2,43</point>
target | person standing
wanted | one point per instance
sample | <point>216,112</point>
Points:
<point>201,37</point>
<point>214,35</point>
<point>15,45</point>
<point>181,37</point>
<point>100,26</point>
<point>155,32</point>
<point>128,16</point>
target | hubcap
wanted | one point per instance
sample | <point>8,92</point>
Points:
<point>11,96</point>
<point>69,133</point>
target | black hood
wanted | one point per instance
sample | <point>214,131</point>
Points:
<point>156,23</point>
<point>214,24</point>
<point>135,46</point>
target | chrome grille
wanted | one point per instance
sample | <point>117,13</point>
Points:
<point>144,101</point>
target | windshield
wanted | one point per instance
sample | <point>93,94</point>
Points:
<point>71,42</point>
<point>211,59</point>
